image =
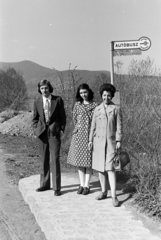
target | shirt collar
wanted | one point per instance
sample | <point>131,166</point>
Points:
<point>49,98</point>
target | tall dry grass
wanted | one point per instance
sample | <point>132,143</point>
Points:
<point>140,94</point>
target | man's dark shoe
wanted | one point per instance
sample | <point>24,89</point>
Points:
<point>41,189</point>
<point>80,190</point>
<point>57,193</point>
<point>86,191</point>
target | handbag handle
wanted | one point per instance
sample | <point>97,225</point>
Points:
<point>118,151</point>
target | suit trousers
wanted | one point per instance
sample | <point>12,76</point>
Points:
<point>49,148</point>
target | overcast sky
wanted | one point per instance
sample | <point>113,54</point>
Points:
<point>54,33</point>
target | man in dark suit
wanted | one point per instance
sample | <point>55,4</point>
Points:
<point>49,122</point>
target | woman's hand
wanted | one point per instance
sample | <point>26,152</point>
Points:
<point>118,145</point>
<point>90,146</point>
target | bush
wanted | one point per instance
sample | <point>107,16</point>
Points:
<point>13,90</point>
<point>140,102</point>
<point>148,185</point>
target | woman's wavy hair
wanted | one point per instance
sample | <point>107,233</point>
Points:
<point>86,87</point>
<point>108,87</point>
<point>45,82</point>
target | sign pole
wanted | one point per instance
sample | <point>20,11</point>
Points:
<point>111,62</point>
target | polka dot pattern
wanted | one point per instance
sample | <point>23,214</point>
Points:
<point>79,155</point>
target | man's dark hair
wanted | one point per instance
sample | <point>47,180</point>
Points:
<point>45,82</point>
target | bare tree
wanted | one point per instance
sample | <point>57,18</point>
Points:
<point>118,67</point>
<point>67,88</point>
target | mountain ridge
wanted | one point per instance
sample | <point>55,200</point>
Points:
<point>33,73</point>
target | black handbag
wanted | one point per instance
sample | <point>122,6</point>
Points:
<point>120,160</point>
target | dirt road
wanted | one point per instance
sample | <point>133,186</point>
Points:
<point>16,220</point>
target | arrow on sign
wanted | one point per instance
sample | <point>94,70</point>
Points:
<point>143,44</point>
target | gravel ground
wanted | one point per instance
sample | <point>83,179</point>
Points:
<point>16,123</point>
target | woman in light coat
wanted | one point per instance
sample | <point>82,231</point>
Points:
<point>104,139</point>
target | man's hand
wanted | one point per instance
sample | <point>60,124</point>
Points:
<point>61,133</point>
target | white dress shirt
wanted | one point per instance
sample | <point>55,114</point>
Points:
<point>44,102</point>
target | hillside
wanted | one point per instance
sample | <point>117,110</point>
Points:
<point>30,70</point>
<point>33,73</point>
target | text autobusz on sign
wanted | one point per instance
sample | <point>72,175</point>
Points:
<point>143,44</point>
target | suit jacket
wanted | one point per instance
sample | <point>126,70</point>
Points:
<point>105,130</point>
<point>57,120</point>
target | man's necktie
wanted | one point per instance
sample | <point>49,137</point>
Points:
<point>47,111</point>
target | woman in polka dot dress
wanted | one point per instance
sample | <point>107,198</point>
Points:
<point>79,155</point>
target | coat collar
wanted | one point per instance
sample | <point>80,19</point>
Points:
<point>53,104</point>
<point>109,109</point>
<point>40,107</point>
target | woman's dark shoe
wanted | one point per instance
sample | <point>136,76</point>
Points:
<point>86,191</point>
<point>80,190</point>
<point>102,195</point>
<point>115,202</point>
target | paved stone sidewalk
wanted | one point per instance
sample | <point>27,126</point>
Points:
<point>77,217</point>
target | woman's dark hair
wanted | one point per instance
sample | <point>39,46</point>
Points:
<point>45,82</point>
<point>108,87</point>
<point>84,86</point>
